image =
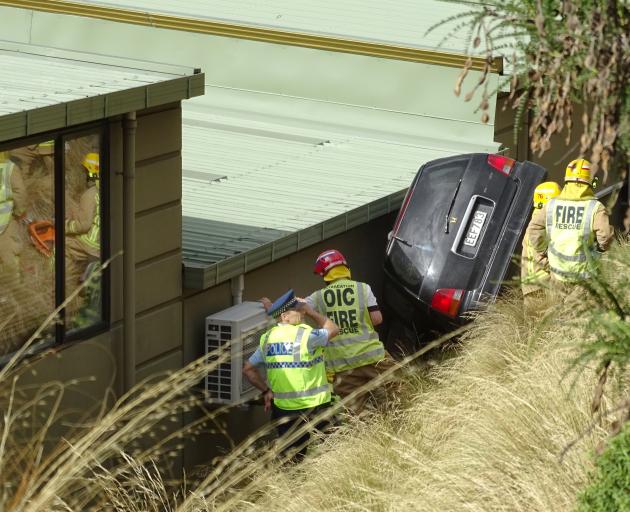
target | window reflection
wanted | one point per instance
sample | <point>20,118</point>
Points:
<point>83,230</point>
<point>27,210</point>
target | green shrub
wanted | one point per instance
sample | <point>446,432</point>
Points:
<point>610,488</point>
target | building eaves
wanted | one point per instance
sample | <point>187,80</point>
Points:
<point>371,28</point>
<point>44,89</point>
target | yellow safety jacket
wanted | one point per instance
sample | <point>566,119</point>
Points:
<point>6,195</point>
<point>532,274</point>
<point>296,377</point>
<point>93,236</point>
<point>344,301</point>
<point>572,248</point>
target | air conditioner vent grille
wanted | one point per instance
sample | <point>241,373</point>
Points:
<point>237,330</point>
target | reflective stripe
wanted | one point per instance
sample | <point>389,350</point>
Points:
<point>7,169</point>
<point>263,341</point>
<point>365,334</point>
<point>302,394</point>
<point>296,376</point>
<point>570,275</point>
<point>6,195</point>
<point>550,206</point>
<point>358,343</point>
<point>294,364</point>
<point>578,257</point>
<point>373,354</point>
<point>93,236</point>
<point>533,272</point>
<point>588,221</point>
<point>297,356</point>
<point>571,248</point>
<point>361,290</point>
<point>529,255</point>
<point>355,339</point>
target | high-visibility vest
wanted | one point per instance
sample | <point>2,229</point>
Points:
<point>6,195</point>
<point>534,274</point>
<point>296,377</point>
<point>344,301</point>
<point>571,247</point>
<point>93,236</point>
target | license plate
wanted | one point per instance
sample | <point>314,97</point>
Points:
<point>475,228</point>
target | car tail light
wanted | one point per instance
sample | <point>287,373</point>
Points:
<point>503,164</point>
<point>447,301</point>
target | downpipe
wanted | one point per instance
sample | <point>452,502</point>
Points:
<point>237,285</point>
<point>130,125</point>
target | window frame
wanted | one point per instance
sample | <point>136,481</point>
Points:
<point>101,129</point>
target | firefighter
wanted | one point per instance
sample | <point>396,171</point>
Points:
<point>43,153</point>
<point>12,210</point>
<point>572,229</point>
<point>357,355</point>
<point>292,354</point>
<point>83,242</point>
<point>534,273</point>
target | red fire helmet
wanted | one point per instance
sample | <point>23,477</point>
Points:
<point>327,260</point>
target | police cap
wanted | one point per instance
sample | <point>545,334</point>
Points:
<point>284,303</point>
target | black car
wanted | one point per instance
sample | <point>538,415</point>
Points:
<point>455,236</point>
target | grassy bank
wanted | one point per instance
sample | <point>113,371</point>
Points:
<point>485,430</point>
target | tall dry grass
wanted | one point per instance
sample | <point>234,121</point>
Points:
<point>484,430</point>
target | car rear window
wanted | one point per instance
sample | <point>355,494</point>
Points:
<point>424,222</point>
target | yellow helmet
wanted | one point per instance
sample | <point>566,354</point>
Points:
<point>91,164</point>
<point>544,192</point>
<point>579,170</point>
<point>46,148</point>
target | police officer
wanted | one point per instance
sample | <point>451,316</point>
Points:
<point>535,272</point>
<point>572,228</point>
<point>292,354</point>
<point>357,355</point>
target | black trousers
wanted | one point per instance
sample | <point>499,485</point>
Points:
<point>291,420</point>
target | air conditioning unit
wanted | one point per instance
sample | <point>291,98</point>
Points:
<point>238,330</point>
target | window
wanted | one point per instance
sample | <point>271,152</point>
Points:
<point>51,238</point>
<point>423,225</point>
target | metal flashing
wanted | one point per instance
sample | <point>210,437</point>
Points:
<point>256,33</point>
<point>105,90</point>
<point>198,277</point>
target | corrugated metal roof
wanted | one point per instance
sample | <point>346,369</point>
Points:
<point>59,89</point>
<point>286,186</point>
<point>403,22</point>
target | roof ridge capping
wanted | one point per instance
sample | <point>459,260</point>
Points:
<point>256,33</point>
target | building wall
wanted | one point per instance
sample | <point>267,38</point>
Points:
<point>559,154</point>
<point>556,158</point>
<point>364,247</point>
<point>158,238</point>
<point>96,364</point>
